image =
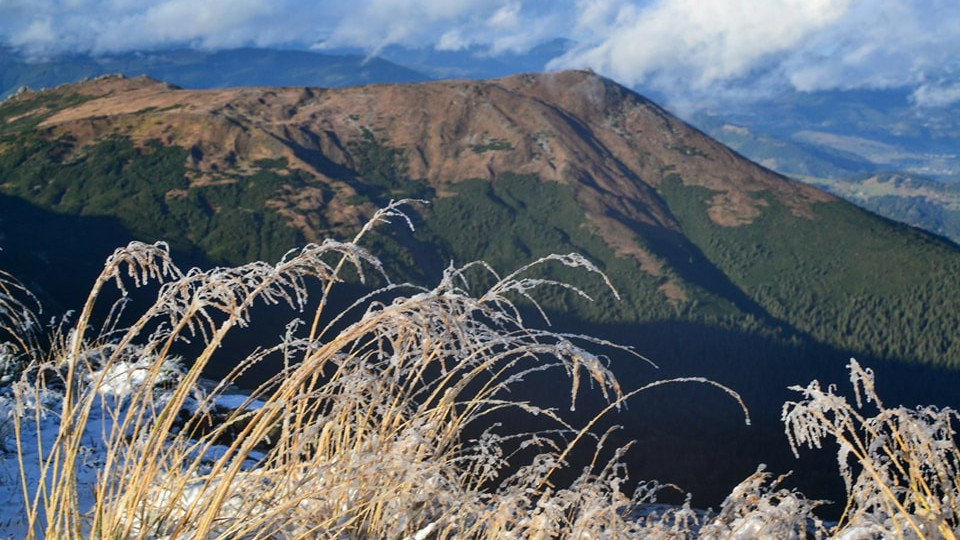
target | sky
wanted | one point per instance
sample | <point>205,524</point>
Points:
<point>690,49</point>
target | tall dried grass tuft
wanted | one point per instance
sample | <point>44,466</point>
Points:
<point>359,435</point>
<point>901,466</point>
<point>363,431</point>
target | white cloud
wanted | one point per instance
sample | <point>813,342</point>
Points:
<point>117,25</point>
<point>501,25</point>
<point>452,41</point>
<point>936,95</point>
<point>695,42</point>
<point>374,24</point>
<point>686,49</point>
<point>507,17</point>
<point>711,51</point>
<point>596,17</point>
<point>213,23</point>
<point>40,30</point>
<point>880,43</point>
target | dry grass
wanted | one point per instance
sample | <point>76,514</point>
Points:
<point>362,432</point>
<point>360,435</point>
<point>901,466</point>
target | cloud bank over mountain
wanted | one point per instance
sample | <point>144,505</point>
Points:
<point>698,50</point>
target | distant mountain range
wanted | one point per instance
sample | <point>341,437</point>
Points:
<point>726,269</point>
<point>831,139</point>
<point>837,133</point>
<point>205,69</point>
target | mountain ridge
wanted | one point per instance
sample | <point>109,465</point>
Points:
<point>825,138</point>
<point>560,105</point>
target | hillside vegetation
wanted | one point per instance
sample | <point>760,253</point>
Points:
<point>380,427</point>
<point>724,269</point>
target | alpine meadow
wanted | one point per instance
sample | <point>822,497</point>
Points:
<point>538,306</point>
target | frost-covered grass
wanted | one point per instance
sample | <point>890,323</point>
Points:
<point>901,466</point>
<point>363,431</point>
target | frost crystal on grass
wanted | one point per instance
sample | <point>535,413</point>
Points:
<point>361,433</point>
<point>901,466</point>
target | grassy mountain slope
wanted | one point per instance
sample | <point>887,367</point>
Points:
<point>515,168</point>
<point>725,268</point>
<point>829,139</point>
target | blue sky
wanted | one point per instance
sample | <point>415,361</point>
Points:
<point>699,49</point>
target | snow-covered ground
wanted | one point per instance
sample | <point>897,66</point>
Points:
<point>36,435</point>
<point>40,430</point>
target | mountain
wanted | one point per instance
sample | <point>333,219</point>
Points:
<point>816,137</point>
<point>192,68</point>
<point>725,269</point>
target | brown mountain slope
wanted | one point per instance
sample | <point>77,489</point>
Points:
<point>613,146</point>
<point>707,227</point>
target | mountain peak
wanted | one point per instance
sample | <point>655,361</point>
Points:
<point>581,91</point>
